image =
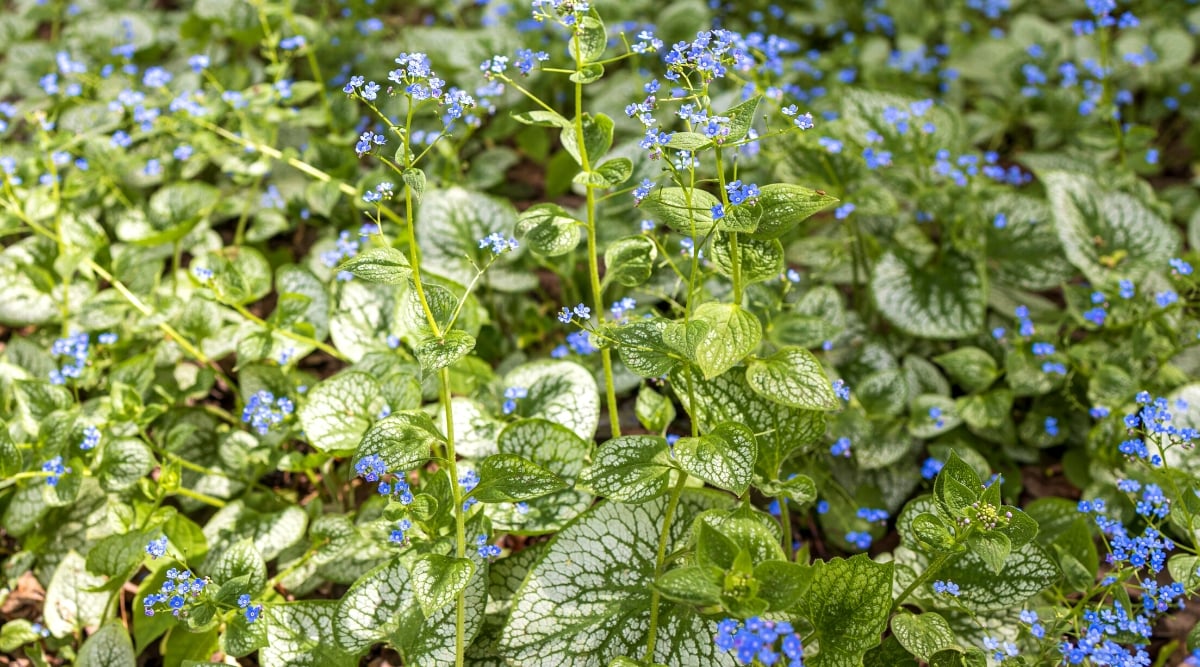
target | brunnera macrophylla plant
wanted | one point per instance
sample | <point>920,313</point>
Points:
<point>486,334</point>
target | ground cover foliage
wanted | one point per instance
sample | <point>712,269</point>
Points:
<point>599,333</point>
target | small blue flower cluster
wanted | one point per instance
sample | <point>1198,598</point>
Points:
<point>935,414</point>
<point>1000,650</point>
<point>382,191</point>
<point>1097,314</point>
<point>579,342</point>
<point>486,551</point>
<point>252,611</point>
<point>498,243</point>
<point>263,411</point>
<point>468,481</point>
<point>931,467</point>
<point>760,639</point>
<point>859,539</point>
<point>345,248</point>
<point>78,348</point>
<point>511,395</point>
<point>56,469</point>
<point>1154,418</point>
<point>176,591</point>
<point>620,310</point>
<point>873,514</point>
<point>946,588</point>
<point>841,389</point>
<point>399,533</point>
<point>91,438</point>
<point>841,447</point>
<point>157,548</point>
<point>1148,550</point>
<point>566,316</point>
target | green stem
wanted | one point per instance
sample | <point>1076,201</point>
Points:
<point>785,517</point>
<point>202,497</point>
<point>460,537</point>
<point>924,576</point>
<point>663,537</point>
<point>291,335</point>
<point>610,390</point>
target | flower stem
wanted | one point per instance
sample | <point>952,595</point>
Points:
<point>663,537</point>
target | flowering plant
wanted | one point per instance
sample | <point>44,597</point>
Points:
<point>491,333</point>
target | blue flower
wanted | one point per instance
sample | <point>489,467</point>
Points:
<point>157,548</point>
<point>263,411</point>
<point>243,600</point>
<point>1051,426</point>
<point>931,467</point>
<point>56,469</point>
<point>841,447</point>
<point>91,438</point>
<point>498,243</point>
<point>872,514</point>
<point>761,640</point>
<point>842,212</point>
<point>841,389</point>
<point>946,588</point>
<point>469,481</point>
<point>511,395</point>
<point>859,539</point>
<point>485,550</point>
<point>1181,267</point>
<point>253,613</point>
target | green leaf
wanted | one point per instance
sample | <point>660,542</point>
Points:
<point>108,647</point>
<point>1105,233</point>
<point>403,440</point>
<point>629,469</point>
<point>123,462</point>
<point>922,634</point>
<point>597,138</point>
<point>629,260</point>
<point>589,40</point>
<point>671,206</point>
<point>642,348</point>
<point>782,583</point>
<point>654,411</point>
<point>608,175</point>
<point>582,604</point>
<point>437,353</point>
<point>696,585</point>
<point>10,457</point>
<point>848,604</point>
<point>722,457</point>
<point>271,532</point>
<point>784,206</point>
<point>741,118</point>
<point>300,634</point>
<point>760,260</point>
<point>561,452</point>
<point>1025,252</point>
<point>242,637</point>
<point>74,598</point>
<point>450,224</point>
<point>437,580</point>
<point>956,657</point>
<point>957,486</point>
<point>386,266</point>
<point>562,392</point>
<point>242,559</point>
<point>506,478</point>
<point>548,230</point>
<point>793,377</point>
<point>780,430</point>
<point>542,118</point>
<point>992,548</point>
<point>339,410</point>
<point>940,301</point>
<point>799,489</point>
<point>1027,572</point>
<point>116,556</point>
<point>972,368</point>
<point>171,213</point>
<point>931,532</point>
<point>688,141</point>
<point>241,274</point>
<point>415,180</point>
<point>733,333</point>
<point>372,608</point>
